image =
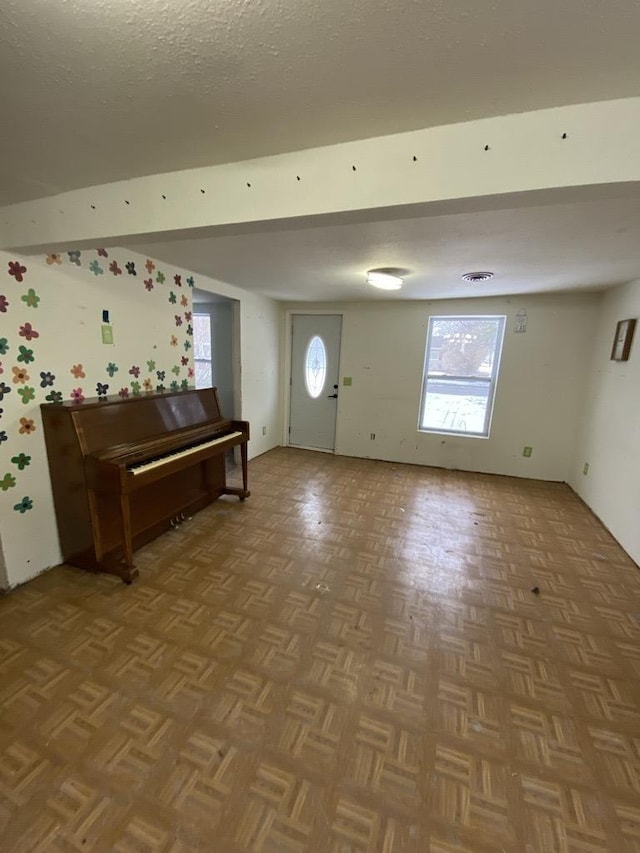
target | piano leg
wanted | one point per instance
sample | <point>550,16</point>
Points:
<point>101,561</point>
<point>112,566</point>
<point>94,514</point>
<point>129,573</point>
<point>245,473</point>
<point>244,491</point>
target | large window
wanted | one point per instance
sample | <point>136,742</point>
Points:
<point>460,372</point>
<point>202,349</point>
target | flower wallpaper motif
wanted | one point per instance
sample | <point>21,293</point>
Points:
<point>28,332</point>
<point>51,313</point>
<point>17,270</point>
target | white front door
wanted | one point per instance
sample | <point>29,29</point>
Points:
<point>315,361</point>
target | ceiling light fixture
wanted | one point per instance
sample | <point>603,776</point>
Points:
<point>475,277</point>
<point>384,279</point>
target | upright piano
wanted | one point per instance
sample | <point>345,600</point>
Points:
<point>125,470</point>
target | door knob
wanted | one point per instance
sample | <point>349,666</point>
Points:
<point>332,396</point>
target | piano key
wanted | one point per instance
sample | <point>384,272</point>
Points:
<point>143,467</point>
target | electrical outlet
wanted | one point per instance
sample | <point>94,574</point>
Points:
<point>585,469</point>
<point>372,436</point>
<point>527,451</point>
<point>264,430</point>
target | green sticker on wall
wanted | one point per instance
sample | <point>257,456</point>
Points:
<point>107,334</point>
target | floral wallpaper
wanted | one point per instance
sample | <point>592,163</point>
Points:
<point>51,349</point>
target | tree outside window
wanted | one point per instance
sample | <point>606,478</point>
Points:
<point>461,369</point>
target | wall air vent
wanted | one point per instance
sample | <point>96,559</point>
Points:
<point>475,277</point>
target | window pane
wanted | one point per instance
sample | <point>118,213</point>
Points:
<point>461,366</point>
<point>315,366</point>
<point>455,406</point>
<point>202,336</point>
<point>202,350</point>
<point>203,374</point>
<point>463,346</point>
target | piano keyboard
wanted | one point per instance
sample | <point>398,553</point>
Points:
<point>143,467</point>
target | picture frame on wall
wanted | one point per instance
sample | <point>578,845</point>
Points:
<point>622,340</point>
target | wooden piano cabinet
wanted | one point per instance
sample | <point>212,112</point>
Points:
<point>66,470</point>
<point>103,511</point>
<point>153,508</point>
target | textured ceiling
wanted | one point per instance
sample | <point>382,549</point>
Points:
<point>93,91</point>
<point>552,248</point>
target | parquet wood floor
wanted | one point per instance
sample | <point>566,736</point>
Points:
<point>350,661</point>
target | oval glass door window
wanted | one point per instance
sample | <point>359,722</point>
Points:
<point>315,366</point>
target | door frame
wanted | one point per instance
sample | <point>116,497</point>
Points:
<point>289,315</point>
<point>236,357</point>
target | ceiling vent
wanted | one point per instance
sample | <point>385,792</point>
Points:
<point>475,277</point>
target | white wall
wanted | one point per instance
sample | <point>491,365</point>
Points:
<point>609,434</point>
<point>149,312</point>
<point>221,314</point>
<point>539,395</point>
<point>260,360</point>
<point>221,324</point>
<point>150,324</point>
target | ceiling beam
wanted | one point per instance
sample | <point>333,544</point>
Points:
<point>587,145</point>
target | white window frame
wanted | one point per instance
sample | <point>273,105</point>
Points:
<point>491,380</point>
<point>197,361</point>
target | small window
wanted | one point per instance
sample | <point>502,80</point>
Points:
<point>460,373</point>
<point>315,366</point>
<point>202,350</point>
